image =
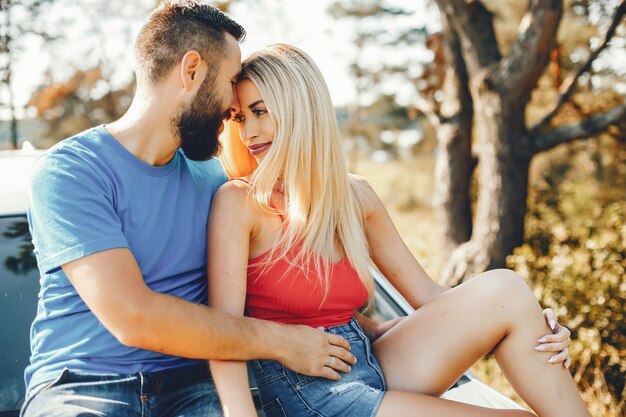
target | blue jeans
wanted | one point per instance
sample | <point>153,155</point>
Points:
<point>187,391</point>
<point>358,393</point>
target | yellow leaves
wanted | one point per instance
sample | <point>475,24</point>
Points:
<point>574,258</point>
<point>52,95</point>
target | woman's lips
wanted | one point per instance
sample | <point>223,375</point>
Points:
<point>259,148</point>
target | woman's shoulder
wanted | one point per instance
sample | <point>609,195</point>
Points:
<point>364,192</point>
<point>235,199</point>
<point>233,195</point>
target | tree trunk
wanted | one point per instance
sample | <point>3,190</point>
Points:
<point>14,135</point>
<point>502,190</point>
<point>454,164</point>
<point>6,71</point>
<point>500,87</point>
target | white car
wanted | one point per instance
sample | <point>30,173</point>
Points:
<point>19,286</point>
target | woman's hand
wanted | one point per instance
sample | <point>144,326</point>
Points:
<point>557,341</point>
<point>374,329</point>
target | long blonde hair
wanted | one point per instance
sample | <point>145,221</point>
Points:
<point>307,160</point>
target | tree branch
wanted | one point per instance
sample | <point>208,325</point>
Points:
<point>585,128</point>
<point>569,85</point>
<point>518,72</point>
<point>454,163</point>
<point>473,24</point>
<point>455,83</point>
<point>427,107</point>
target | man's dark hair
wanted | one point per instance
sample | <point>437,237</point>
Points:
<point>179,26</point>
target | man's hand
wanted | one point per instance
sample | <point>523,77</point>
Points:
<point>373,328</point>
<point>313,352</point>
<point>558,341</point>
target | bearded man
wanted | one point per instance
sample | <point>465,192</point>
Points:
<point>118,215</point>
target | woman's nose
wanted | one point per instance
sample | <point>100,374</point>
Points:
<point>249,131</point>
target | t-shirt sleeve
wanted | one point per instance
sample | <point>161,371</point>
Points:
<point>71,210</point>
<point>218,173</point>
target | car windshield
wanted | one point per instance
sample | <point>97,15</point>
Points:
<point>19,285</point>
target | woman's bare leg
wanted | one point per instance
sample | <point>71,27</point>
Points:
<point>412,404</point>
<point>429,350</point>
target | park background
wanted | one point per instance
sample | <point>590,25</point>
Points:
<point>494,131</point>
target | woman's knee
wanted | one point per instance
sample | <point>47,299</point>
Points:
<point>504,286</point>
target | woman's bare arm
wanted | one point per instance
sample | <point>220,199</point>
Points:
<point>390,253</point>
<point>230,228</point>
<point>396,262</point>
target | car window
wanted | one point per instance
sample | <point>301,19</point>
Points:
<point>19,285</point>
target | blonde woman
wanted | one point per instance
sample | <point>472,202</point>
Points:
<point>291,240</point>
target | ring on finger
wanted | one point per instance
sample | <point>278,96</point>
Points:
<point>332,361</point>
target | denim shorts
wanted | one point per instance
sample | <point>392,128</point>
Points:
<point>358,393</point>
<point>186,391</point>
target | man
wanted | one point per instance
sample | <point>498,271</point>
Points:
<point>118,216</point>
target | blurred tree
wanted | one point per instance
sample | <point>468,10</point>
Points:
<point>442,96</point>
<point>21,19</point>
<point>91,82</point>
<point>500,87</point>
<point>87,99</point>
<point>445,99</point>
<point>383,114</point>
<point>371,32</point>
<point>24,261</point>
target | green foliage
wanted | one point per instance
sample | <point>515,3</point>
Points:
<point>575,260</point>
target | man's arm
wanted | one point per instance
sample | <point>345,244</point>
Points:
<point>112,286</point>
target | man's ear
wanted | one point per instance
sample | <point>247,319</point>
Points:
<point>191,70</point>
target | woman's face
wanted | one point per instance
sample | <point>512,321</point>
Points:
<point>255,126</point>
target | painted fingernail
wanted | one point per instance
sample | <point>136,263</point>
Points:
<point>540,347</point>
<point>542,340</point>
<point>552,359</point>
<point>552,324</point>
<point>567,365</point>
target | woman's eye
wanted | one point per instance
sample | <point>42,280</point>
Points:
<point>238,118</point>
<point>259,112</point>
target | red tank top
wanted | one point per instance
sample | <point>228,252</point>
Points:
<point>297,298</point>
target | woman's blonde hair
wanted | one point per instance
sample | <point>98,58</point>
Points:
<point>306,160</point>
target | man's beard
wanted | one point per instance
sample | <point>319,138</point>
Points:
<point>201,123</point>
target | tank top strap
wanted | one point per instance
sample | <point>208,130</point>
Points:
<point>245,180</point>
<point>282,217</point>
<point>241,179</point>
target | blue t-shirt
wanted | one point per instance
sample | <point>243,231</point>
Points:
<point>90,194</point>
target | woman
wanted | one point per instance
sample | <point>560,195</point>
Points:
<point>292,242</point>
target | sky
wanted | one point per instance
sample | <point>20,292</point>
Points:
<point>97,31</point>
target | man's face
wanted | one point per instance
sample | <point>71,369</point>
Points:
<point>201,122</point>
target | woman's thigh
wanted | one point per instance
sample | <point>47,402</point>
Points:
<point>429,350</point>
<point>411,404</point>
